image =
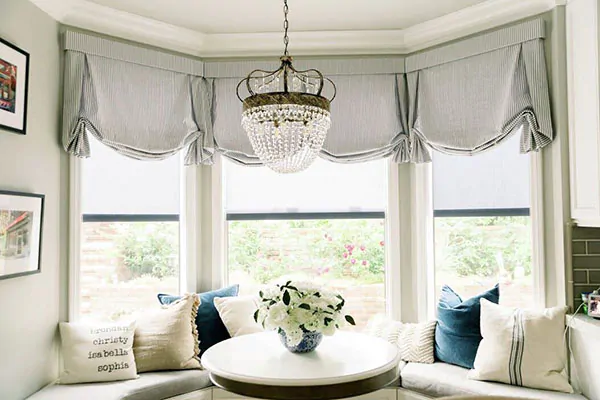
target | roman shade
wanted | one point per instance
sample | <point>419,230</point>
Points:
<point>141,103</point>
<point>365,123</point>
<point>458,99</point>
<point>466,97</point>
<point>495,181</point>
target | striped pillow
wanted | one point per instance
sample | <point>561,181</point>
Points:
<point>415,341</point>
<point>522,347</point>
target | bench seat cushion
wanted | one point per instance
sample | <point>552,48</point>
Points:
<point>441,379</point>
<point>149,386</point>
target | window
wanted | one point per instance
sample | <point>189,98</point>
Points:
<point>325,224</point>
<point>482,223</point>
<point>130,233</point>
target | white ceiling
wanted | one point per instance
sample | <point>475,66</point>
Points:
<point>250,28</point>
<point>253,16</point>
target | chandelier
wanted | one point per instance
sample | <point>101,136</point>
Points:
<point>285,115</point>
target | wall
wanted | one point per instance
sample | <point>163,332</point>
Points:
<point>586,261</point>
<point>31,306</point>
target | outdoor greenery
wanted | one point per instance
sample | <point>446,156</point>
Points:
<point>330,249</point>
<point>484,246</point>
<point>335,249</point>
<point>149,248</point>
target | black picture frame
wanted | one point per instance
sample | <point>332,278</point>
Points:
<point>22,128</point>
<point>28,218</point>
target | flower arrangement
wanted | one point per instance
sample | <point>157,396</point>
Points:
<point>295,310</point>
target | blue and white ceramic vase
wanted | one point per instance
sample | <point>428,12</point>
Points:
<point>309,342</point>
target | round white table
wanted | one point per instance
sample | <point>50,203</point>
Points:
<point>344,365</point>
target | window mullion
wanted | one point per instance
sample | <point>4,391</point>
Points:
<point>537,227</point>
<point>393,238</point>
<point>423,241</point>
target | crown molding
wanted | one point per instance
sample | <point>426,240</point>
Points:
<point>490,14</point>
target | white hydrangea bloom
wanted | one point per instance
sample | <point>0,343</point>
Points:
<point>295,308</point>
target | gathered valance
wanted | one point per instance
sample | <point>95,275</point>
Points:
<point>467,97</point>
<point>147,109</point>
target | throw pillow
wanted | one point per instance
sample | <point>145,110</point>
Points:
<point>237,313</point>
<point>414,341</point>
<point>210,327</point>
<point>97,353</point>
<point>167,339</point>
<point>522,347</point>
<point>457,335</point>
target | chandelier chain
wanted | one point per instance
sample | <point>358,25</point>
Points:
<point>286,39</point>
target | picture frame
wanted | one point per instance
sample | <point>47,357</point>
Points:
<point>14,87</point>
<point>21,223</point>
<point>594,305</point>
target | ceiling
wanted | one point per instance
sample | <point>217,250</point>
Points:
<point>251,28</point>
<point>253,16</point>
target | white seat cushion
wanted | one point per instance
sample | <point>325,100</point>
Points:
<point>149,386</point>
<point>441,379</point>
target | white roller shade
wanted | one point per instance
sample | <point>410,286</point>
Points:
<point>115,184</point>
<point>323,187</point>
<point>495,179</point>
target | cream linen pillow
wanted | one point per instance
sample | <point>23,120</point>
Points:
<point>97,353</point>
<point>237,314</point>
<point>522,347</point>
<point>415,341</point>
<point>167,339</point>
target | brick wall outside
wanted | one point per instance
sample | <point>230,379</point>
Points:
<point>586,261</point>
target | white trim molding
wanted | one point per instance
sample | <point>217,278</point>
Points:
<point>98,18</point>
<point>75,168</point>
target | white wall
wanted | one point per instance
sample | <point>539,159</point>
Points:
<point>31,306</point>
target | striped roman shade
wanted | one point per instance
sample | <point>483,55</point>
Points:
<point>468,96</point>
<point>458,99</point>
<point>144,104</point>
<point>365,123</point>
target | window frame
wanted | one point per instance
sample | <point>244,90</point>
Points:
<point>408,236</point>
<point>536,212</point>
<point>392,275</point>
<point>77,219</point>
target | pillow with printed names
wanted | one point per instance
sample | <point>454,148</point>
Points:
<point>97,353</point>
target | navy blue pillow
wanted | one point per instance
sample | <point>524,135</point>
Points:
<point>458,332</point>
<point>210,327</point>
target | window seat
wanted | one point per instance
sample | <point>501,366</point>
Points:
<point>441,379</point>
<point>149,386</point>
<point>417,381</point>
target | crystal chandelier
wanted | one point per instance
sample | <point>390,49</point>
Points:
<point>285,115</point>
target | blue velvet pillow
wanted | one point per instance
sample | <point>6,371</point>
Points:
<point>210,327</point>
<point>458,333</point>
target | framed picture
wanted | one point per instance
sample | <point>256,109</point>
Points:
<point>14,80</point>
<point>21,217</point>
<point>594,305</point>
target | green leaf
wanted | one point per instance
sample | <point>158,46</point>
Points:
<point>317,294</point>
<point>292,287</point>
<point>286,298</point>
<point>287,283</point>
<point>327,320</point>
<point>256,316</point>
<point>304,306</point>
<point>330,306</point>
<point>350,320</point>
<point>260,293</point>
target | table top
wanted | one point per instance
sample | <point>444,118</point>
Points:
<point>261,359</point>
